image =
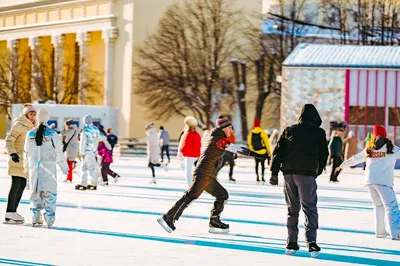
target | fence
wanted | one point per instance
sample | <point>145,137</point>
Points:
<point>126,148</point>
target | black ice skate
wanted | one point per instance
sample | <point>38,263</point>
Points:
<point>292,248</point>
<point>90,187</point>
<point>258,180</point>
<point>166,223</point>
<point>314,249</point>
<point>263,180</point>
<point>231,179</point>
<point>80,187</point>
<point>218,227</point>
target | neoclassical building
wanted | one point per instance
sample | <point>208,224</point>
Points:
<point>98,35</point>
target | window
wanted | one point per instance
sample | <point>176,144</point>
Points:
<point>394,116</point>
<point>362,115</point>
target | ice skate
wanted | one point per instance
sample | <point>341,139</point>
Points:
<point>37,219</point>
<point>232,180</point>
<point>165,166</point>
<point>117,178</point>
<point>218,227</point>
<point>314,249</point>
<point>263,180</point>
<point>105,183</point>
<point>80,187</point>
<point>292,248</point>
<point>91,187</point>
<point>166,223</point>
<point>380,236</point>
<point>14,218</point>
<point>153,181</point>
<point>258,180</point>
<point>67,181</point>
<point>49,220</point>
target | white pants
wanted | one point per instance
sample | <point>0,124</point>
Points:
<point>44,200</point>
<point>385,208</point>
<point>89,165</point>
<point>187,168</point>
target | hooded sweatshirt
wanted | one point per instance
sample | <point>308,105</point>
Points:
<point>302,148</point>
<point>379,167</point>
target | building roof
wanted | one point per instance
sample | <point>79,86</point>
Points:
<point>344,56</point>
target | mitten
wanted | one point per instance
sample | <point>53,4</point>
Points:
<point>274,180</point>
<point>14,157</point>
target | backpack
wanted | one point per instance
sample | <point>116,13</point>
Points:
<point>257,142</point>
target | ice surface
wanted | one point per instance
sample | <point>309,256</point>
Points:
<point>117,225</point>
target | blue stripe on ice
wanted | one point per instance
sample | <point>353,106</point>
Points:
<point>21,262</point>
<point>264,247</point>
<point>67,205</point>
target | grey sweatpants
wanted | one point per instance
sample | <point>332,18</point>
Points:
<point>301,191</point>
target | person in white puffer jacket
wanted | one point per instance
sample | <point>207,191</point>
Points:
<point>380,157</point>
<point>43,151</point>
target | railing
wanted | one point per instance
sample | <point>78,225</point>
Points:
<point>127,148</point>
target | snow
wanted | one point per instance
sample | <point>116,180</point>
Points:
<point>117,225</point>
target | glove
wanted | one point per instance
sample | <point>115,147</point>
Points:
<point>14,157</point>
<point>273,180</point>
<point>246,152</point>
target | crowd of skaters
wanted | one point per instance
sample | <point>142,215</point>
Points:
<point>33,145</point>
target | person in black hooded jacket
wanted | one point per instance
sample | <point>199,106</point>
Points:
<point>301,154</point>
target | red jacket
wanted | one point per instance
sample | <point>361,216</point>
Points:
<point>191,144</point>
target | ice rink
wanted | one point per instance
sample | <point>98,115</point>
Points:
<point>117,225</point>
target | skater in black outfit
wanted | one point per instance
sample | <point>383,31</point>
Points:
<point>301,155</point>
<point>205,178</point>
<point>336,153</point>
<point>229,158</point>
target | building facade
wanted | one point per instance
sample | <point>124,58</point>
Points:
<point>100,37</point>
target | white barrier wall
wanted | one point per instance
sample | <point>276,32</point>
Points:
<point>105,115</point>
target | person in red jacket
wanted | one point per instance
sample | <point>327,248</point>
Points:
<point>189,148</point>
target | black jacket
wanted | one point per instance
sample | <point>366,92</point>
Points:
<point>211,160</point>
<point>336,147</point>
<point>302,148</point>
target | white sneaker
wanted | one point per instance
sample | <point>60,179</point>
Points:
<point>153,181</point>
<point>14,217</point>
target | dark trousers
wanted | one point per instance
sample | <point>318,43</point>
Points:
<point>262,162</point>
<point>301,192</point>
<point>231,165</point>
<point>336,161</point>
<point>211,186</point>
<point>18,185</point>
<point>105,171</point>
<point>166,149</point>
<point>151,166</point>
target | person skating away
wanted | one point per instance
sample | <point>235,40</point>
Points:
<point>112,139</point>
<point>89,141</point>
<point>43,151</point>
<point>106,160</point>
<point>258,142</point>
<point>336,153</point>
<point>189,148</point>
<point>380,156</point>
<point>301,154</point>
<point>15,142</point>
<point>164,142</point>
<point>205,178</point>
<point>229,158</point>
<point>153,150</point>
<point>70,138</point>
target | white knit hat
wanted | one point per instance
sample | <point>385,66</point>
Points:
<point>42,116</point>
<point>190,121</point>
<point>27,109</point>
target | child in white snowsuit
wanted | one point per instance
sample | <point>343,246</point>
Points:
<point>43,151</point>
<point>90,138</point>
<point>380,156</point>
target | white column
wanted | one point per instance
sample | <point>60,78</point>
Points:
<point>109,35</point>
<point>58,41</point>
<point>83,39</point>
<point>34,44</point>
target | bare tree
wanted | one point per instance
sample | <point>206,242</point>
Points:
<point>181,66</point>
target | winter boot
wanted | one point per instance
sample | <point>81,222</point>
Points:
<point>49,220</point>
<point>14,218</point>
<point>231,179</point>
<point>91,187</point>
<point>80,187</point>
<point>216,226</point>
<point>314,249</point>
<point>167,223</point>
<point>37,219</point>
<point>292,248</point>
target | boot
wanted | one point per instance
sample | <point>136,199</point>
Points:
<point>231,179</point>
<point>37,219</point>
<point>167,223</point>
<point>49,220</point>
<point>258,180</point>
<point>314,249</point>
<point>292,248</point>
<point>167,220</point>
<point>91,187</point>
<point>262,180</point>
<point>13,217</point>
<point>216,226</point>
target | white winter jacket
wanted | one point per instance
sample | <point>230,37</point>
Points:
<point>153,147</point>
<point>90,138</point>
<point>41,161</point>
<point>379,168</point>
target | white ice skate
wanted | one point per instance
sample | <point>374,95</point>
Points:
<point>116,179</point>
<point>49,220</point>
<point>165,166</point>
<point>381,236</point>
<point>14,218</point>
<point>153,181</point>
<point>105,183</point>
<point>37,220</point>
